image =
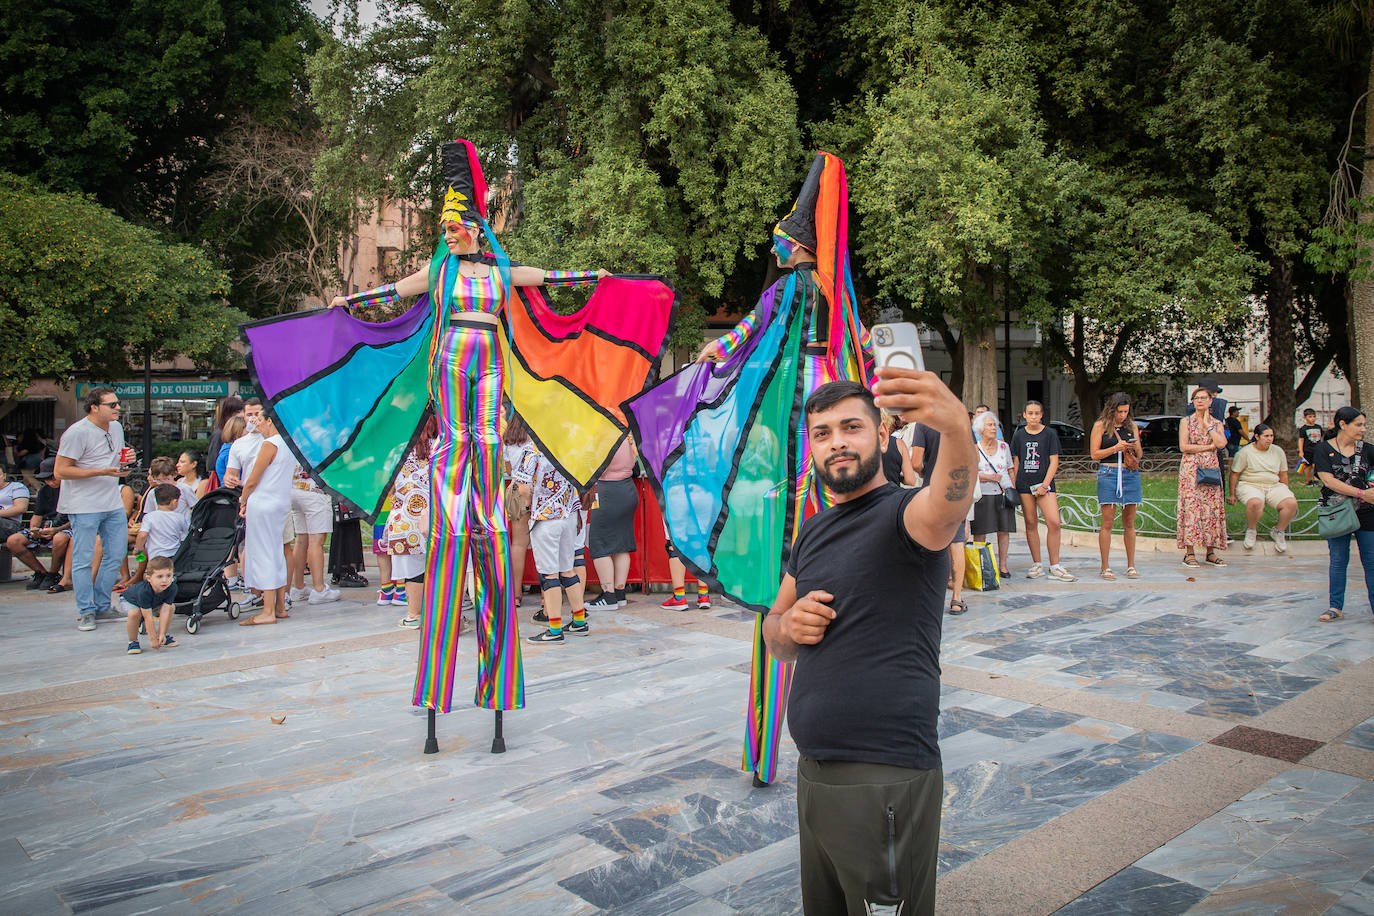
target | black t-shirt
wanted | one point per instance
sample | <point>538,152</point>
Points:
<point>45,506</point>
<point>892,461</point>
<point>1235,430</point>
<point>1308,438</point>
<point>869,691</point>
<point>1033,451</point>
<point>141,594</point>
<point>1357,470</point>
<point>923,436</point>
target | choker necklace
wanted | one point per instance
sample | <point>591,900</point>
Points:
<point>475,256</point>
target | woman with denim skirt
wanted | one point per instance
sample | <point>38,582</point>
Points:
<point>1115,443</point>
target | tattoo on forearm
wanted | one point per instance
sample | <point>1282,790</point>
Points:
<point>958,485</point>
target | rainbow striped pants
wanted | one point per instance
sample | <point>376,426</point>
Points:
<point>770,679</point>
<point>468,526</point>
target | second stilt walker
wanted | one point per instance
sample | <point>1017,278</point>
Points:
<point>723,440</point>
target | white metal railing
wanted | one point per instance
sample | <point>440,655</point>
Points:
<point>1159,517</point>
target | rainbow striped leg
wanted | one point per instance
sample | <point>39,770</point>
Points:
<point>770,679</point>
<point>468,525</point>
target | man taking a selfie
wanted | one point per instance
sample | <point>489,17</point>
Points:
<point>860,611</point>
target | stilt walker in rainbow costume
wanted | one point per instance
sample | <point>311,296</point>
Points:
<point>350,397</point>
<point>723,438</point>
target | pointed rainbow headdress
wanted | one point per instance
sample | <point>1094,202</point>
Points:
<point>465,193</point>
<point>819,220</point>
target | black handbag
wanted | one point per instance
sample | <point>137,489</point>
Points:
<point>1010,498</point>
<point>1209,477</point>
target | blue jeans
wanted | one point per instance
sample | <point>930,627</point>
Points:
<point>1340,561</point>
<point>112,527</point>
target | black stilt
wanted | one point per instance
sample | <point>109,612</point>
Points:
<point>431,742</point>
<point>498,742</point>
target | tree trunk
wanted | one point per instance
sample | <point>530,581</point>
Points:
<point>979,350</point>
<point>953,346</point>
<point>1283,356</point>
<point>1089,394</point>
<point>1362,294</point>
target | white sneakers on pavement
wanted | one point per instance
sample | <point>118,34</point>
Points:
<point>1279,538</point>
<point>1035,572</point>
<point>1062,574</point>
<point>324,596</point>
<point>1250,535</point>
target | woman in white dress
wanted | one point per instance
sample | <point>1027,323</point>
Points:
<point>265,505</point>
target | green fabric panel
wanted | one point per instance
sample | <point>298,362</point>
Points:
<point>749,550</point>
<point>363,471</point>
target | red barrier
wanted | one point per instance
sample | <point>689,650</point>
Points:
<point>648,564</point>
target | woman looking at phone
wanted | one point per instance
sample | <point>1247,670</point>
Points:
<point>1115,444</point>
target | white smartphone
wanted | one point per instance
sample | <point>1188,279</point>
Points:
<point>897,345</point>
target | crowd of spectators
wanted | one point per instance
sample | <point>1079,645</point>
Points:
<point>84,491</point>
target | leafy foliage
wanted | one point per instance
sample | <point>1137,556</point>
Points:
<point>634,135</point>
<point>82,289</point>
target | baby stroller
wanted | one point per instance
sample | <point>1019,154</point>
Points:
<point>211,544</point>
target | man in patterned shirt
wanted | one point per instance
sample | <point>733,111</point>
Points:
<point>555,519</point>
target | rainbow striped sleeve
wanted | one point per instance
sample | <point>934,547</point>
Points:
<point>381,294</point>
<point>569,277</point>
<point>730,342</point>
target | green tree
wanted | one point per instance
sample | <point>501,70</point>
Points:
<point>639,136</point>
<point>1344,246</point>
<point>1248,118</point>
<point>1138,284</point>
<point>82,289</point>
<point>125,101</point>
<point>952,187</point>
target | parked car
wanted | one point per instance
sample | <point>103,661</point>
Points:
<point>1159,432</point>
<point>1071,438</point>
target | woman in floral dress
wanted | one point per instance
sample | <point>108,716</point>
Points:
<point>1201,509</point>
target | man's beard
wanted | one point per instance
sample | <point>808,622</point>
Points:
<point>859,474</point>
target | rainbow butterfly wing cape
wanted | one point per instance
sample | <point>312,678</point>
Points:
<point>349,396</point>
<point>717,440</point>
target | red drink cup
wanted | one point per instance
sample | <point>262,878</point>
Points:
<point>126,455</point>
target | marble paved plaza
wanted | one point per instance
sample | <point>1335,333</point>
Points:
<point>1188,742</point>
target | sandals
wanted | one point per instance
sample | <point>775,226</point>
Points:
<point>1214,560</point>
<point>58,588</point>
<point>1191,562</point>
<point>1108,575</point>
<point>1331,614</point>
<point>957,607</point>
<point>1131,573</point>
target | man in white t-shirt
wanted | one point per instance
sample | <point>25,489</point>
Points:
<point>245,449</point>
<point>88,466</point>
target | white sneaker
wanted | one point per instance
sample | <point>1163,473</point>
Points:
<point>298,594</point>
<point>1280,540</point>
<point>1062,574</point>
<point>325,596</point>
<point>1250,535</point>
<point>1035,572</point>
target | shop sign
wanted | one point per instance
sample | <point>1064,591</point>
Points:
<point>163,389</point>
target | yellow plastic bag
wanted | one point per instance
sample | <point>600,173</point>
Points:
<point>980,569</point>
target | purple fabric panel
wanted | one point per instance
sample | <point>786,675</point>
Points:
<point>318,340</point>
<point>663,412</point>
